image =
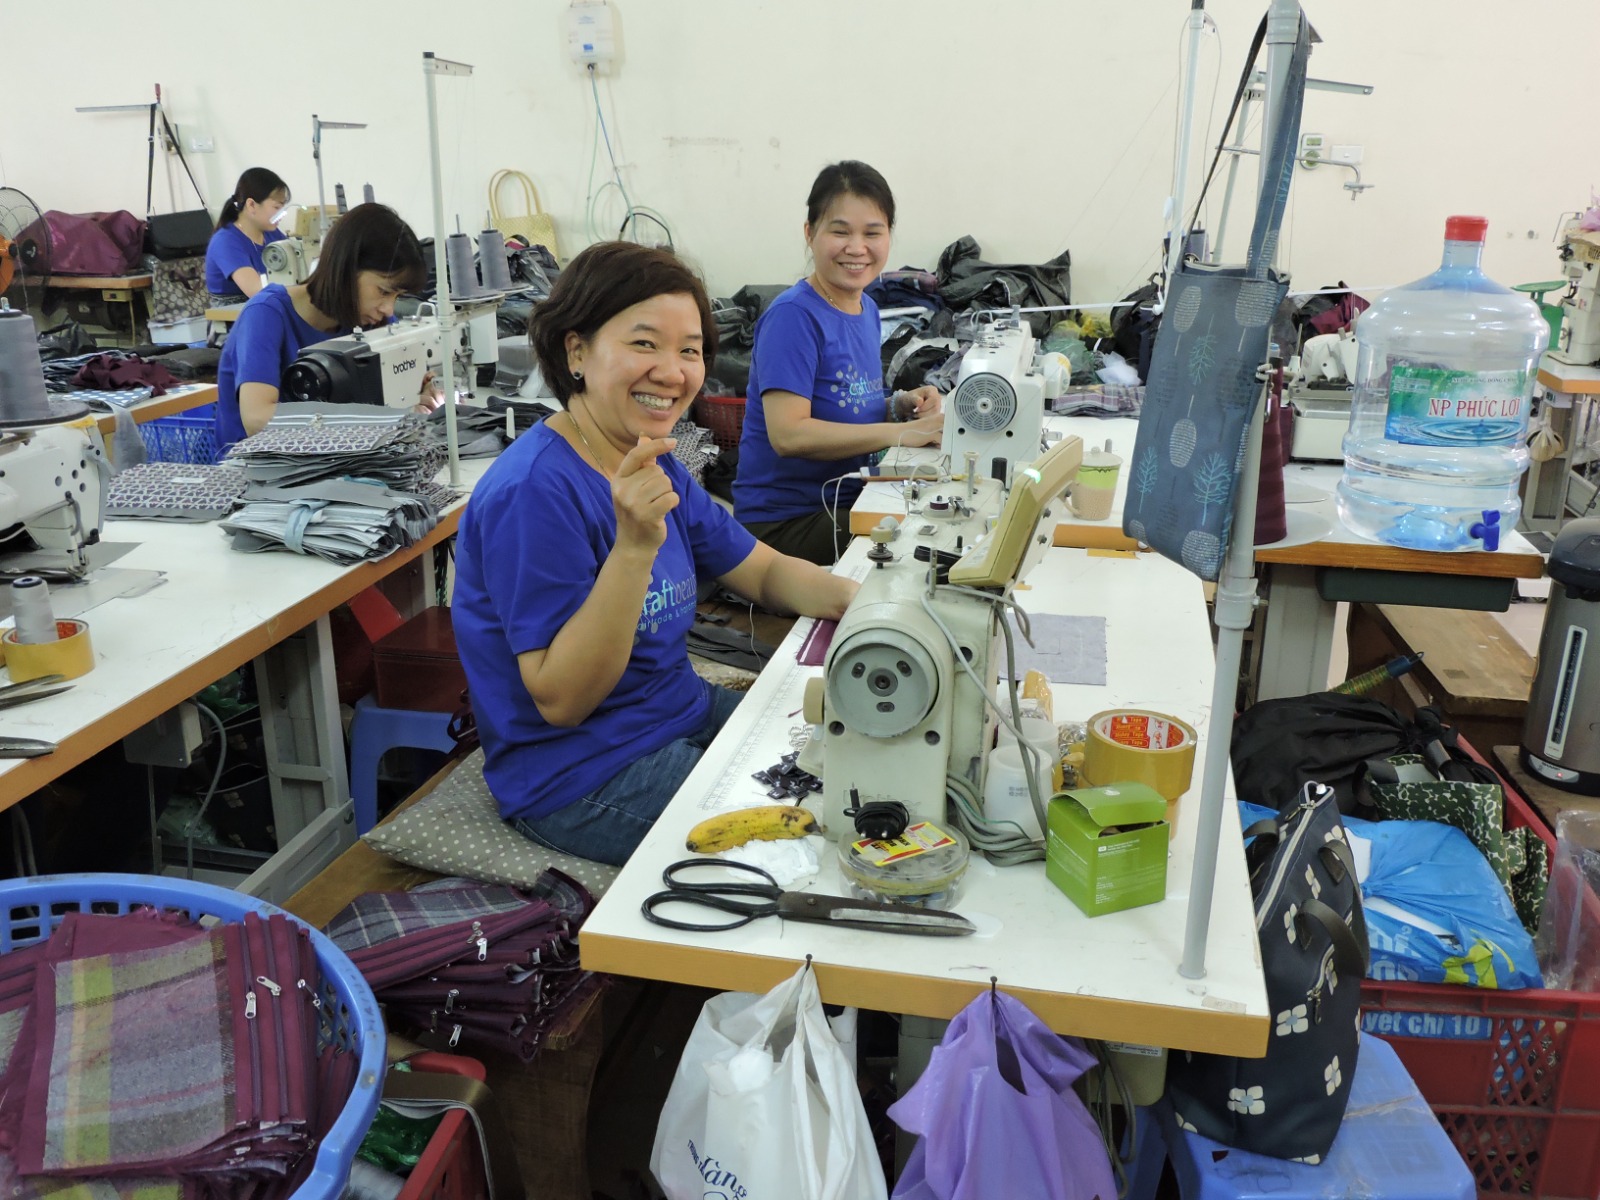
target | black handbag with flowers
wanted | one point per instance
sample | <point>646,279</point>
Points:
<point>1290,1103</point>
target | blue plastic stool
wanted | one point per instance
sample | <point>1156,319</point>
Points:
<point>374,732</point>
<point>1390,1147</point>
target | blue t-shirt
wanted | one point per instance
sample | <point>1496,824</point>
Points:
<point>533,538</point>
<point>229,249</point>
<point>266,338</point>
<point>806,346</point>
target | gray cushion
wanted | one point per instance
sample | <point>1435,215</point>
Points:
<point>457,830</point>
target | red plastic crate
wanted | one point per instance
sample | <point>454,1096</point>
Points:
<point>451,1166</point>
<point>1514,1077</point>
<point>723,416</point>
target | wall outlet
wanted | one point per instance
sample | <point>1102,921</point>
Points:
<point>201,143</point>
<point>1350,156</point>
<point>1313,150</point>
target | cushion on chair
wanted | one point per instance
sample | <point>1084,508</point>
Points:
<point>457,830</point>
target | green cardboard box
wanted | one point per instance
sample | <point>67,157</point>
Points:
<point>1108,847</point>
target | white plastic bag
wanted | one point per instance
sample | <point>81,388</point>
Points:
<point>764,1106</point>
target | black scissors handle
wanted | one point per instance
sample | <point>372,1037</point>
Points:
<point>746,902</point>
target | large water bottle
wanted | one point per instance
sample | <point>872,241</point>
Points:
<point>1439,420</point>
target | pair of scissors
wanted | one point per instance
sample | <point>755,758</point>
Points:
<point>750,901</point>
<point>33,689</point>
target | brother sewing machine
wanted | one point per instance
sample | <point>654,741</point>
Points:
<point>1579,344</point>
<point>997,407</point>
<point>899,712</point>
<point>386,365</point>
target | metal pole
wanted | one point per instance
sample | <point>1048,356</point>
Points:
<point>1233,174</point>
<point>316,156</point>
<point>1176,232</point>
<point>443,306</point>
<point>1236,590</point>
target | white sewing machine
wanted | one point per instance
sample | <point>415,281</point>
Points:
<point>899,713</point>
<point>1580,325</point>
<point>386,365</point>
<point>51,489</point>
<point>997,407</point>
<point>288,261</point>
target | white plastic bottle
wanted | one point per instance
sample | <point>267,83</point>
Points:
<point>1439,420</point>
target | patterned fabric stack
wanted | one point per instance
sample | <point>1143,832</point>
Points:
<point>148,1056</point>
<point>175,491</point>
<point>343,482</point>
<point>486,966</point>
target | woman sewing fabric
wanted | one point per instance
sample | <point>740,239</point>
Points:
<point>815,411</point>
<point>578,559</point>
<point>234,269</point>
<point>368,259</point>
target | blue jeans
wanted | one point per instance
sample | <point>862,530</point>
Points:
<point>608,824</point>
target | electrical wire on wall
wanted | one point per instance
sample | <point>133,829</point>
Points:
<point>632,213</point>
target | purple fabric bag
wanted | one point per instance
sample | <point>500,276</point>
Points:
<point>97,243</point>
<point>995,1113</point>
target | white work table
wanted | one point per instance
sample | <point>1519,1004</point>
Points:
<point>1113,977</point>
<point>216,610</point>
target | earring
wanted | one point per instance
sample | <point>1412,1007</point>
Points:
<point>577,374</point>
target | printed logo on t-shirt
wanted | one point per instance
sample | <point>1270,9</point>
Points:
<point>667,602</point>
<point>853,389</point>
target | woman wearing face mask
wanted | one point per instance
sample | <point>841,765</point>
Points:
<point>368,259</point>
<point>578,560</point>
<point>815,407</point>
<point>234,270</point>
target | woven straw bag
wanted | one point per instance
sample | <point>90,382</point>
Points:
<point>534,225</point>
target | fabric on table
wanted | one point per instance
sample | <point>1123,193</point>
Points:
<point>175,491</point>
<point>105,398</point>
<point>344,521</point>
<point>117,372</point>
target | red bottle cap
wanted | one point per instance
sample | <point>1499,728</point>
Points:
<point>1466,229</point>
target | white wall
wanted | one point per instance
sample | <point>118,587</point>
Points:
<point>1034,125</point>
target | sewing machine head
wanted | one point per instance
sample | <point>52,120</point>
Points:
<point>374,366</point>
<point>52,499</point>
<point>997,408</point>
<point>901,702</point>
<point>1579,344</point>
<point>288,261</point>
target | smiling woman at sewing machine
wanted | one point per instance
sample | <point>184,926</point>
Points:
<point>578,561</point>
<point>234,270</point>
<point>815,409</point>
<point>370,258</point>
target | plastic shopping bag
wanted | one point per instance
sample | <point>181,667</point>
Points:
<point>764,1106</point>
<point>995,1114</point>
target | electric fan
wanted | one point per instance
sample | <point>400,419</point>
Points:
<point>24,246</point>
<point>997,408</point>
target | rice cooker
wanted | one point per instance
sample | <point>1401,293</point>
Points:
<point>1561,736</point>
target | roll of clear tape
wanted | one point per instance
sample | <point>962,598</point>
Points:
<point>70,655</point>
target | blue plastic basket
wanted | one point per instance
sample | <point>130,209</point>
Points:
<point>31,909</point>
<point>189,437</point>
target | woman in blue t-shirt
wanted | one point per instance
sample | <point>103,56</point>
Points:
<point>578,562</point>
<point>234,270</point>
<point>814,411</point>
<point>369,258</point>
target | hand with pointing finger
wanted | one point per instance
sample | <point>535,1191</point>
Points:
<point>642,494</point>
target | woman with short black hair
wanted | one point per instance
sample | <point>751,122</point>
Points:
<point>578,562</point>
<point>249,222</point>
<point>369,258</point>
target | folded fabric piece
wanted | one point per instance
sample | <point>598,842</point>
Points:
<point>115,371</point>
<point>175,491</point>
<point>104,398</point>
<point>489,966</point>
<point>343,521</point>
<point>1099,400</point>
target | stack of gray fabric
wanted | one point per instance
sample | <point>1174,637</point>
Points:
<point>344,482</point>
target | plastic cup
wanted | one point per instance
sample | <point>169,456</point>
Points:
<point>1005,790</point>
<point>1094,491</point>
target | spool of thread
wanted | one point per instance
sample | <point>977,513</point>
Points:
<point>492,258</point>
<point>458,260</point>
<point>22,392</point>
<point>30,606</point>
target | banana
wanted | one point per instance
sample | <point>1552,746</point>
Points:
<point>764,823</point>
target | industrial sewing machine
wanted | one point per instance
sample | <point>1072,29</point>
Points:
<point>899,712</point>
<point>1579,343</point>
<point>997,407</point>
<point>289,261</point>
<point>52,499</point>
<point>386,366</point>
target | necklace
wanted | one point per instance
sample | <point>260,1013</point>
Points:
<point>585,441</point>
<point>816,282</point>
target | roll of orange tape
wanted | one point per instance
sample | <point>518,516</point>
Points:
<point>1134,745</point>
